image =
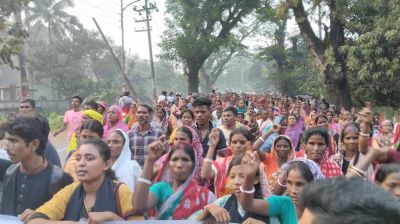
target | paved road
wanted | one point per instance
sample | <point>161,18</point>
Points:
<point>60,143</point>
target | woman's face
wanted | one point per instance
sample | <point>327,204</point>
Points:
<point>313,114</point>
<point>235,179</point>
<point>295,184</point>
<point>238,144</point>
<point>350,139</point>
<point>101,109</point>
<point>112,116</point>
<point>387,127</point>
<point>282,149</point>
<point>181,138</point>
<point>292,120</point>
<point>160,114</point>
<point>90,165</point>
<point>181,165</point>
<point>241,104</point>
<point>87,134</point>
<point>240,118</point>
<point>85,118</point>
<point>284,125</point>
<point>315,148</point>
<point>285,112</point>
<point>336,118</point>
<point>187,119</point>
<point>391,184</point>
<point>322,122</point>
<point>116,143</point>
<point>329,116</point>
<point>133,108</point>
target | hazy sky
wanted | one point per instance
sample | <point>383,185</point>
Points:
<point>107,14</point>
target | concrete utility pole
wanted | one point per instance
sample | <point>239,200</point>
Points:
<point>123,63</point>
<point>117,62</point>
<point>147,8</point>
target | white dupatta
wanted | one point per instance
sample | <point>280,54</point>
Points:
<point>126,170</point>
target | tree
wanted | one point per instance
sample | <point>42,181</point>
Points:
<point>216,63</point>
<point>11,36</point>
<point>198,28</point>
<point>326,52</point>
<point>53,14</point>
<point>373,58</point>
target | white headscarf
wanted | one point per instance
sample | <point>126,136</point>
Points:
<point>126,170</point>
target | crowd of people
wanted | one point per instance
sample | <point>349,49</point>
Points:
<point>215,158</point>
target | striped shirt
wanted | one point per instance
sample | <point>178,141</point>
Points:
<point>138,142</point>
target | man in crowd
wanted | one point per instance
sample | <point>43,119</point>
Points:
<point>229,122</point>
<point>72,118</point>
<point>27,107</point>
<point>143,134</point>
<point>28,179</point>
<point>202,111</point>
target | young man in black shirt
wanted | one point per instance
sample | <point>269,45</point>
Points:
<point>28,180</point>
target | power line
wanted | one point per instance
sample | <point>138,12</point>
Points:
<point>78,13</point>
<point>100,8</point>
<point>94,10</point>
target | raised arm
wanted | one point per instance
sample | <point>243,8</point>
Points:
<point>250,164</point>
<point>206,169</point>
<point>379,147</point>
<point>260,141</point>
<point>365,119</point>
<point>142,200</point>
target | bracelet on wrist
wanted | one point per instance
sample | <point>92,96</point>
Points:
<point>280,184</point>
<point>261,139</point>
<point>206,160</point>
<point>247,192</point>
<point>145,181</point>
<point>364,134</point>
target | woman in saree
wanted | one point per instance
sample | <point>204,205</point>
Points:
<point>282,152</point>
<point>175,199</point>
<point>131,117</point>
<point>294,130</point>
<point>114,121</point>
<point>183,135</point>
<point>350,154</point>
<point>96,198</point>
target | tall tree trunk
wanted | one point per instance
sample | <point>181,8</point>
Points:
<point>193,78</point>
<point>22,58</point>
<point>335,77</point>
<point>193,66</point>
